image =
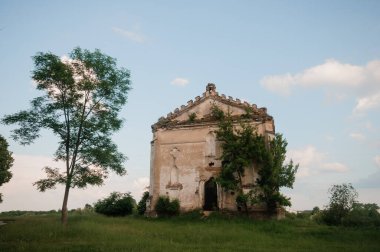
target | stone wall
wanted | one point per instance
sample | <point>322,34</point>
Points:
<point>185,153</point>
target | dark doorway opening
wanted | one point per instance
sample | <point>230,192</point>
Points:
<point>211,195</point>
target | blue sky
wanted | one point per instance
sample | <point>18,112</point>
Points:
<point>314,64</point>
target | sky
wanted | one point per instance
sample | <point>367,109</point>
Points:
<point>315,65</point>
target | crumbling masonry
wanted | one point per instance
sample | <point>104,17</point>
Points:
<point>185,152</point>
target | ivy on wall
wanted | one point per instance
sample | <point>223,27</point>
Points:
<point>242,147</point>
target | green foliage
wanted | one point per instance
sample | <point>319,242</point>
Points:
<point>248,113</point>
<point>364,215</point>
<point>315,210</point>
<point>290,215</point>
<point>242,147</point>
<point>274,174</point>
<point>342,199</point>
<point>242,201</point>
<point>88,208</point>
<point>15,213</point>
<point>117,204</point>
<point>304,214</point>
<point>141,206</point>
<point>81,101</point>
<point>6,162</point>
<point>343,209</point>
<point>192,117</point>
<point>167,207</point>
<point>217,113</point>
<point>343,196</point>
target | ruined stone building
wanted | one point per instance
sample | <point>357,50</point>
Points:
<point>185,152</point>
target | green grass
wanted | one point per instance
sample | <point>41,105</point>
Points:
<point>189,233</point>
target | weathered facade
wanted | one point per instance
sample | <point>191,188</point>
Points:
<point>185,152</point>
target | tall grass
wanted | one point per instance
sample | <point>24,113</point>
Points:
<point>189,233</point>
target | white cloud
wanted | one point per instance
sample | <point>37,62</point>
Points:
<point>180,82</point>
<point>311,162</point>
<point>34,83</point>
<point>367,102</point>
<point>357,136</point>
<point>339,80</point>
<point>79,71</point>
<point>306,157</point>
<point>333,98</point>
<point>20,194</point>
<point>307,194</point>
<point>140,185</point>
<point>330,73</point>
<point>368,126</point>
<point>377,160</point>
<point>334,167</point>
<point>131,35</point>
<point>280,84</point>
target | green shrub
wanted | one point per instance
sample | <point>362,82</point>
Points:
<point>318,217</point>
<point>141,206</point>
<point>241,201</point>
<point>117,204</point>
<point>88,208</point>
<point>290,215</point>
<point>167,207</point>
<point>315,210</point>
<point>362,215</point>
<point>304,214</point>
<point>192,117</point>
<point>331,216</point>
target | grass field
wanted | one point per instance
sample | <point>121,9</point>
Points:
<point>93,232</point>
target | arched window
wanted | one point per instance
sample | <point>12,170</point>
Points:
<point>210,144</point>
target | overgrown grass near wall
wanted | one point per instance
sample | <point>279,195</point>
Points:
<point>91,232</point>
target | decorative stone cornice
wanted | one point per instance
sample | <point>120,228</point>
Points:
<point>256,114</point>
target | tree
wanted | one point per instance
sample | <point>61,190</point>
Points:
<point>342,199</point>
<point>83,95</point>
<point>365,215</point>
<point>242,147</point>
<point>274,174</point>
<point>141,206</point>
<point>88,208</point>
<point>117,204</point>
<point>315,210</point>
<point>6,162</point>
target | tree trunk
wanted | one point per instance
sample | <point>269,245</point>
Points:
<point>245,205</point>
<point>64,215</point>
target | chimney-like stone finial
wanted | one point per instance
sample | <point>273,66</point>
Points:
<point>211,87</point>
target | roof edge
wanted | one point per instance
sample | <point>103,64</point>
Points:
<point>211,93</point>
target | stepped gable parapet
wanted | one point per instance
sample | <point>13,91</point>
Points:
<point>258,114</point>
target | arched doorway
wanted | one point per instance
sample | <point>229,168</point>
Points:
<point>211,195</point>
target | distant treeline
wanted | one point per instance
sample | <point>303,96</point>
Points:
<point>31,213</point>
